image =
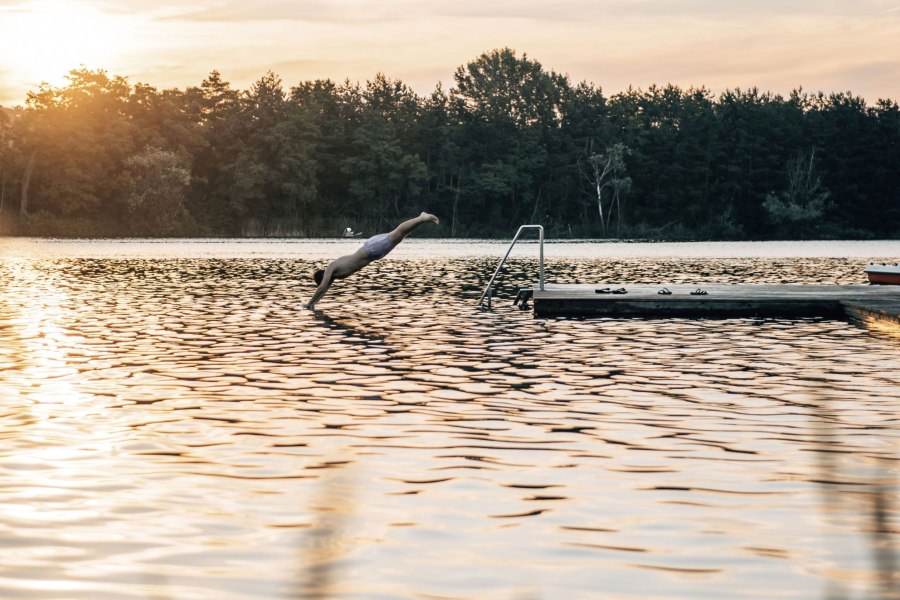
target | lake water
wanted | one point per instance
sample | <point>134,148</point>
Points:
<point>174,425</point>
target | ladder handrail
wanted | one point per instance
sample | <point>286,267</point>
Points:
<point>487,288</point>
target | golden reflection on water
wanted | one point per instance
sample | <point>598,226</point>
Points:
<point>183,429</point>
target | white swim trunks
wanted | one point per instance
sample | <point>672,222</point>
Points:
<point>378,246</point>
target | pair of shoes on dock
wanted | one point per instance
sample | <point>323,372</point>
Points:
<point>668,292</point>
<point>662,292</point>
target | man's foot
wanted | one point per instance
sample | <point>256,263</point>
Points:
<point>429,217</point>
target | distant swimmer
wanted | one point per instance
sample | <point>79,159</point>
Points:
<point>373,248</point>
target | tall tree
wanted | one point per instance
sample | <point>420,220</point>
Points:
<point>507,107</point>
<point>154,184</point>
<point>76,139</point>
<point>803,201</point>
<point>216,108</point>
<point>336,110</point>
<point>606,171</point>
<point>6,155</point>
<point>273,176</point>
<point>383,170</point>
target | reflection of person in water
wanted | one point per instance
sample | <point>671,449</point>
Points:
<point>374,248</point>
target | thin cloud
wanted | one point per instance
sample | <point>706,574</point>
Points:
<point>772,44</point>
<point>564,10</point>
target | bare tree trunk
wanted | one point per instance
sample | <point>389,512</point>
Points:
<point>600,182</point>
<point>584,217</point>
<point>600,209</point>
<point>609,213</point>
<point>620,209</point>
<point>2,200</point>
<point>536,202</point>
<point>706,187</point>
<point>614,203</point>
<point>800,178</point>
<point>456,203</point>
<point>608,170</point>
<point>26,181</point>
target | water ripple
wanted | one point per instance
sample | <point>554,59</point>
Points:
<point>182,428</point>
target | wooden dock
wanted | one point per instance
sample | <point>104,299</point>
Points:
<point>854,302</point>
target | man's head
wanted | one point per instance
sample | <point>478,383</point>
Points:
<point>318,275</point>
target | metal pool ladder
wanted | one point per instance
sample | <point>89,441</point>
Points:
<point>487,290</point>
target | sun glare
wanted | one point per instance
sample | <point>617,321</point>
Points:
<point>43,41</point>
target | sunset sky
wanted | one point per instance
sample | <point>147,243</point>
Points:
<point>776,45</point>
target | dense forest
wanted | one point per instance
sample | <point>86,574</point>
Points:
<point>510,142</point>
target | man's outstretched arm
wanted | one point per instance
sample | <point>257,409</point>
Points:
<point>327,278</point>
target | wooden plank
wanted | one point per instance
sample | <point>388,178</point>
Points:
<point>884,310</point>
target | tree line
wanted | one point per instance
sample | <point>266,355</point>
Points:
<point>510,142</point>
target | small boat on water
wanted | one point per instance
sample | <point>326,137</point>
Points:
<point>884,274</point>
<point>350,233</point>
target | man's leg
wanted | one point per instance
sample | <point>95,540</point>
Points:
<point>405,228</point>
